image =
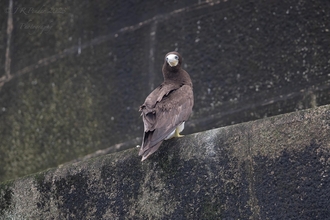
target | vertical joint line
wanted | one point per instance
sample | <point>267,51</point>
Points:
<point>9,32</point>
<point>152,44</point>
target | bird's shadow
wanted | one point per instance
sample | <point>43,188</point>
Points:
<point>168,155</point>
<point>168,148</point>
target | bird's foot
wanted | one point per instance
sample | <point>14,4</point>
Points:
<point>177,134</point>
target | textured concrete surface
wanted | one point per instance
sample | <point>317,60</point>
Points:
<point>77,71</point>
<point>273,168</point>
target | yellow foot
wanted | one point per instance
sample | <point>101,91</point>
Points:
<point>177,134</point>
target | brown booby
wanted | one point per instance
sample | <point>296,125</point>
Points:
<point>166,109</point>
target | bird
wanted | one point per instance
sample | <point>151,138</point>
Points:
<point>168,107</point>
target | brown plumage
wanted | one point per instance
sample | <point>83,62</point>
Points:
<point>167,107</point>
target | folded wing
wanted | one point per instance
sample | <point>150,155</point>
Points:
<point>164,109</point>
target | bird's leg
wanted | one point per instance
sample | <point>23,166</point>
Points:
<point>177,133</point>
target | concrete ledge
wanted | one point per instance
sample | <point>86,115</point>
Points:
<point>274,168</point>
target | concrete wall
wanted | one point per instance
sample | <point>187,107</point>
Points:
<point>73,74</point>
<point>273,168</point>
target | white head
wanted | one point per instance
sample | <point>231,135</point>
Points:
<point>172,59</point>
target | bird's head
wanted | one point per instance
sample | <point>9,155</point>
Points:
<point>173,59</point>
<point>172,70</point>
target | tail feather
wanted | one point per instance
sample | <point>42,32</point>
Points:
<point>146,151</point>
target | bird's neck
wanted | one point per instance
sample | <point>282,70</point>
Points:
<point>177,77</point>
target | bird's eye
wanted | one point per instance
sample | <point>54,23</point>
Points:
<point>166,58</point>
<point>176,57</point>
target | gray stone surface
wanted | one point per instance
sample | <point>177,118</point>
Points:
<point>77,71</point>
<point>273,168</point>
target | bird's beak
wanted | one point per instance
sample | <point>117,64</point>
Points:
<point>172,60</point>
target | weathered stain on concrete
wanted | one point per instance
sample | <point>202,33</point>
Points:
<point>273,168</point>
